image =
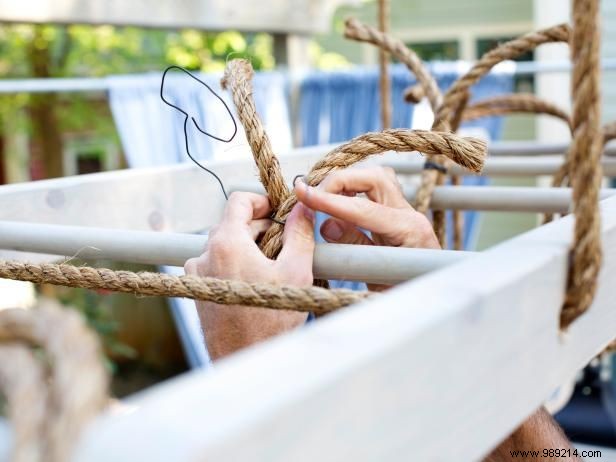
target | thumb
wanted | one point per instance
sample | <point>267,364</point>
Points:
<point>298,238</point>
<point>342,232</point>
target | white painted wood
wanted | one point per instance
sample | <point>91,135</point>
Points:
<point>497,166</point>
<point>299,16</point>
<point>383,265</point>
<point>438,369</point>
<point>485,198</point>
<point>179,198</point>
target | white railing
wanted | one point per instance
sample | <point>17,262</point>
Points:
<point>439,368</point>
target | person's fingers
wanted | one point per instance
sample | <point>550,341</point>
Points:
<point>298,240</point>
<point>358,211</point>
<point>378,183</point>
<point>191,266</point>
<point>342,232</point>
<point>243,207</point>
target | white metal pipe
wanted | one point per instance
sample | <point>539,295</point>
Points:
<point>498,166</point>
<point>54,85</point>
<point>84,84</point>
<point>533,148</point>
<point>501,198</point>
<point>331,261</point>
<point>484,198</point>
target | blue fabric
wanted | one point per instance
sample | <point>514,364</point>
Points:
<point>337,106</point>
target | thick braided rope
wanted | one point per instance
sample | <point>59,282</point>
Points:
<point>456,94</point>
<point>520,103</point>
<point>426,86</point>
<point>356,30</point>
<point>22,382</point>
<point>78,381</point>
<point>224,292</point>
<point>384,81</point>
<point>467,152</point>
<point>456,180</point>
<point>238,79</point>
<point>514,103</point>
<point>584,158</point>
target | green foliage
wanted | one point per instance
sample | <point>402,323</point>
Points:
<point>95,51</point>
<point>81,50</point>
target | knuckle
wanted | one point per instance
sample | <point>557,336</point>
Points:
<point>191,266</point>
<point>389,173</point>
<point>218,246</point>
<point>236,196</point>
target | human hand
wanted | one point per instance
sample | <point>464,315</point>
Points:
<point>232,253</point>
<point>385,211</point>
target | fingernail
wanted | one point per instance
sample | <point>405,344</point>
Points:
<point>298,178</point>
<point>332,230</point>
<point>308,213</point>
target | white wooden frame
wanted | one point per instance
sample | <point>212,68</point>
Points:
<point>304,17</point>
<point>395,378</point>
<point>385,380</point>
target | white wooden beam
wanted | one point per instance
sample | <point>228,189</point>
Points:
<point>179,198</point>
<point>440,368</point>
<point>498,166</point>
<point>307,16</point>
<point>373,264</point>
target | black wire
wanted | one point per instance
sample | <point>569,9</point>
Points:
<point>224,140</point>
<point>187,116</point>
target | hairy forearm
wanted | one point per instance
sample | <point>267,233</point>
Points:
<point>537,433</point>
<point>231,328</point>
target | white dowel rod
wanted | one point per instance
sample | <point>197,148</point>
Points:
<point>331,261</point>
<point>502,198</point>
<point>534,148</point>
<point>484,198</point>
<point>498,166</point>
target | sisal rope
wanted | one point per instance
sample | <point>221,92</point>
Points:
<point>384,80</point>
<point>22,382</point>
<point>468,152</point>
<point>456,180</point>
<point>514,103</point>
<point>238,79</point>
<point>584,159</point>
<point>455,96</point>
<point>77,385</point>
<point>356,30</point>
<point>224,292</point>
